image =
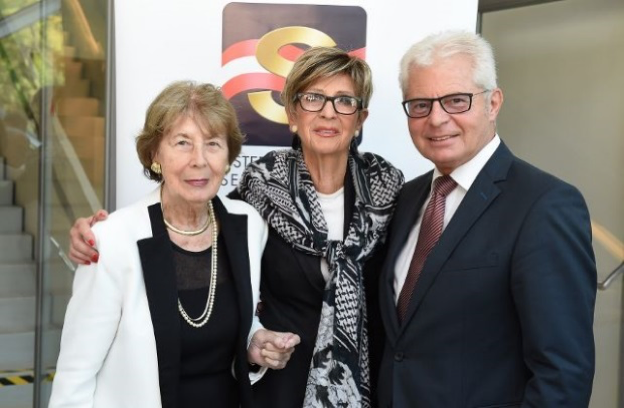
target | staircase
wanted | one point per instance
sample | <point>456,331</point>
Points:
<point>80,110</point>
<point>77,104</point>
<point>18,282</point>
<point>17,297</point>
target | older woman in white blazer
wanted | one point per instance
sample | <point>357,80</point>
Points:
<point>166,317</point>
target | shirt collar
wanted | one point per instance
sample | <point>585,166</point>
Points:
<point>466,174</point>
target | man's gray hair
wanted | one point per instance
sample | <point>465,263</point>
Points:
<point>447,44</point>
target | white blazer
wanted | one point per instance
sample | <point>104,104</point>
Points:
<point>110,338</point>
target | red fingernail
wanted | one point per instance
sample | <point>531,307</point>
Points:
<point>88,263</point>
<point>95,258</point>
<point>91,242</point>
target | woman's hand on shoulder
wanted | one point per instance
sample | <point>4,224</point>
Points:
<point>271,349</point>
<point>82,241</point>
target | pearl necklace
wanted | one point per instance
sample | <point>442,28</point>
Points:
<point>186,233</point>
<point>179,231</point>
<point>203,319</point>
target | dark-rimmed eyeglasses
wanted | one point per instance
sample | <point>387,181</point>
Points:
<point>343,104</point>
<point>453,103</point>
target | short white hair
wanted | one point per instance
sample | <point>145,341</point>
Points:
<point>447,44</point>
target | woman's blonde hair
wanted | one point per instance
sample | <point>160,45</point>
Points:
<point>324,62</point>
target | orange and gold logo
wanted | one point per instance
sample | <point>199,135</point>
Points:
<point>261,43</point>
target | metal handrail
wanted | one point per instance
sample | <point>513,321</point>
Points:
<point>88,46</point>
<point>63,255</point>
<point>604,285</point>
<point>72,159</point>
<point>27,16</point>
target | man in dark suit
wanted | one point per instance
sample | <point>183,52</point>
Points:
<point>491,303</point>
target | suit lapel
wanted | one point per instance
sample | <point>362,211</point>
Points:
<point>478,198</point>
<point>233,230</point>
<point>409,203</point>
<point>160,286</point>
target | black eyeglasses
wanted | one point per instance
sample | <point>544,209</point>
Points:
<point>453,103</point>
<point>343,104</point>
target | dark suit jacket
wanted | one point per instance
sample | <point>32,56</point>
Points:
<point>502,314</point>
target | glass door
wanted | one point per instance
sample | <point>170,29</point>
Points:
<point>53,107</point>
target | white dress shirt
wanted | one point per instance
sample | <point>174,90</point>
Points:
<point>464,176</point>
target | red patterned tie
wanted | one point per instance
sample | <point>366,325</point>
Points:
<point>430,231</point>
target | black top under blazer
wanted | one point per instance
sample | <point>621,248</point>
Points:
<point>161,288</point>
<point>291,292</point>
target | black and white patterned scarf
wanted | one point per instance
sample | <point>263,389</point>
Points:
<point>279,186</point>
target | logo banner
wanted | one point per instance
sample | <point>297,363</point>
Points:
<point>263,40</point>
<point>248,48</point>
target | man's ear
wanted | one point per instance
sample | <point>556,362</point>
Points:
<point>496,102</point>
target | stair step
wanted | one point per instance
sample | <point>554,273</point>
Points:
<point>17,279</point>
<point>17,396</point>
<point>12,173</point>
<point>83,126</point>
<point>11,219</point>
<point>78,107</point>
<point>78,205</point>
<point>20,279</point>
<point>75,87</point>
<point>95,70</point>
<point>93,168</point>
<point>64,171</point>
<point>15,144</point>
<point>73,192</point>
<point>60,280</point>
<point>6,192</point>
<point>79,209</point>
<point>17,314</point>
<point>69,51</point>
<point>15,119</point>
<point>59,306</point>
<point>73,69</point>
<point>16,248</point>
<point>89,148</point>
<point>17,351</point>
<point>60,222</point>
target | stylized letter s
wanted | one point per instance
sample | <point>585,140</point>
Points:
<point>267,54</point>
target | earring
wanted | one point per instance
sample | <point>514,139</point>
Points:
<point>294,128</point>
<point>227,169</point>
<point>357,133</point>
<point>155,167</point>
